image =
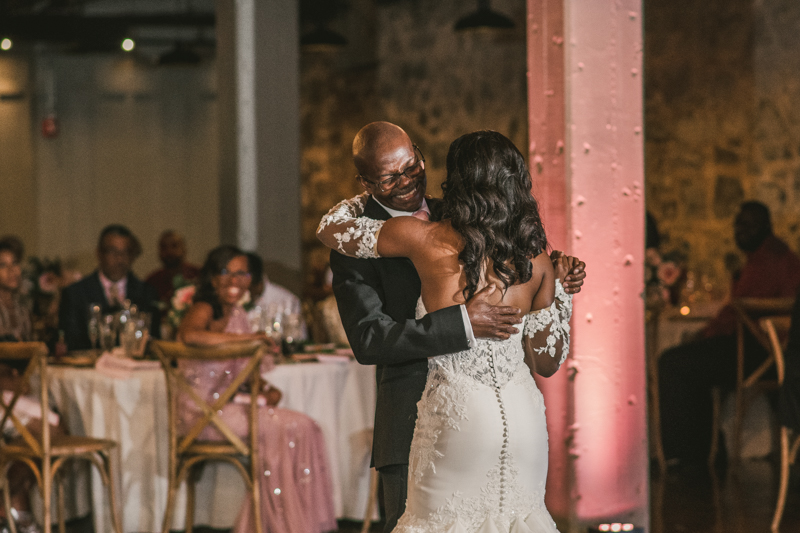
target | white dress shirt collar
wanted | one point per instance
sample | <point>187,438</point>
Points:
<point>396,213</point>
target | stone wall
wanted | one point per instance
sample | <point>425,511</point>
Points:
<point>405,64</point>
<point>722,119</point>
<point>722,109</point>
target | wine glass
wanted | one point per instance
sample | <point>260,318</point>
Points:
<point>292,332</point>
<point>108,333</point>
<point>94,325</point>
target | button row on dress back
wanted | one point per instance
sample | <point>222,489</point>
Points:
<point>504,448</point>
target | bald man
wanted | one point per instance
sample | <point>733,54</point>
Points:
<point>377,300</point>
<point>172,252</point>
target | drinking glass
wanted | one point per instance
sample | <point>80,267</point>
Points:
<point>108,333</point>
<point>142,323</point>
<point>292,332</point>
<point>94,325</point>
<point>127,338</point>
<point>257,319</point>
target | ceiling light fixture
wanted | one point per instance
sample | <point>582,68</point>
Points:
<point>484,19</point>
<point>322,39</point>
<point>179,55</point>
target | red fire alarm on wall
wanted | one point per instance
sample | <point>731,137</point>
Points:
<point>50,127</point>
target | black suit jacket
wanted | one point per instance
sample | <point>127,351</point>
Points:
<point>73,312</point>
<point>377,300</point>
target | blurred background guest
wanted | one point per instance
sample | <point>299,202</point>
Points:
<point>268,296</point>
<point>175,271</point>
<point>688,372</point>
<point>328,312</point>
<point>15,318</point>
<point>108,286</point>
<point>296,494</point>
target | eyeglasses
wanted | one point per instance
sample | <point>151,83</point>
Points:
<point>412,172</point>
<point>239,274</point>
<point>115,252</point>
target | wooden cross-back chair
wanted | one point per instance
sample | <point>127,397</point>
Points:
<point>43,454</point>
<point>777,330</point>
<point>749,312</point>
<point>186,451</point>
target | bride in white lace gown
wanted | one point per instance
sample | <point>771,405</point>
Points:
<point>479,454</point>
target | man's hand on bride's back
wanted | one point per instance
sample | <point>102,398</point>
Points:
<point>491,321</point>
<point>576,271</point>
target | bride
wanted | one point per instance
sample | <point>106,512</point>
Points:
<point>479,454</point>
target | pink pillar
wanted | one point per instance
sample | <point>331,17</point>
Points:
<point>586,159</point>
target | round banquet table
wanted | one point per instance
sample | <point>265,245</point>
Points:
<point>339,396</point>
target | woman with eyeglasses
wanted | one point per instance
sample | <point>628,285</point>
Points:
<point>295,488</point>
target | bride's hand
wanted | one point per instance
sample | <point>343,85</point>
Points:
<point>576,271</point>
<point>561,265</point>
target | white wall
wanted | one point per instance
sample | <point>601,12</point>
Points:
<point>137,145</point>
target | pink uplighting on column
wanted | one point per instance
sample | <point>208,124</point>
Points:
<point>586,159</point>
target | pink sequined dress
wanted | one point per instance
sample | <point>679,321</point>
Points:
<point>295,486</point>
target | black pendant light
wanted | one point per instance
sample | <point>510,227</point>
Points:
<point>180,54</point>
<point>322,39</point>
<point>484,19</point>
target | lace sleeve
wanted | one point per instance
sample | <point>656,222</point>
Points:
<point>345,231</point>
<point>547,330</point>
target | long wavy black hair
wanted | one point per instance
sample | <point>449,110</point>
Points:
<point>215,263</point>
<point>488,200</point>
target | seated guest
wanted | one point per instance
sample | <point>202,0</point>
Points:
<point>108,286</point>
<point>15,326</point>
<point>268,295</point>
<point>329,315</point>
<point>291,445</point>
<point>15,318</point>
<point>172,252</point>
<point>688,372</point>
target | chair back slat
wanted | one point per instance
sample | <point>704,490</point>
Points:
<point>36,355</point>
<point>777,331</point>
<point>170,353</point>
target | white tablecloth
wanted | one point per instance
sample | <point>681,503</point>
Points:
<point>340,397</point>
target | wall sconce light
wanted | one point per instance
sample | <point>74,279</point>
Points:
<point>484,19</point>
<point>6,44</point>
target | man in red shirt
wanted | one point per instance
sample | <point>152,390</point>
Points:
<point>688,372</point>
<point>172,252</point>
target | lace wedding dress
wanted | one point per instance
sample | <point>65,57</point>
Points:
<point>478,459</point>
<point>479,455</point>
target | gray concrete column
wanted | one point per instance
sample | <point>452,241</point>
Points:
<point>259,96</point>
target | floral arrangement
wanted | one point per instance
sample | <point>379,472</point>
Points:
<point>43,280</point>
<point>663,277</point>
<point>181,301</point>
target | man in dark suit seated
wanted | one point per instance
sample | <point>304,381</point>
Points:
<point>108,286</point>
<point>377,299</point>
<point>688,372</point>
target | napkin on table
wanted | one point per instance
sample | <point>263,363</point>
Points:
<point>115,365</point>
